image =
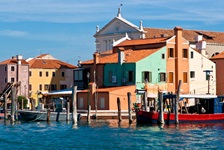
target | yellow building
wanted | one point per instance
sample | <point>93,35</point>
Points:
<point>48,74</point>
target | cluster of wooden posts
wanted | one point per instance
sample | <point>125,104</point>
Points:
<point>14,108</point>
<point>176,104</point>
<point>129,109</point>
<point>13,115</point>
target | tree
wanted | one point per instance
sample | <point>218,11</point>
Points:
<point>25,101</point>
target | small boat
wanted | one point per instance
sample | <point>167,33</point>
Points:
<point>28,115</point>
<point>191,109</point>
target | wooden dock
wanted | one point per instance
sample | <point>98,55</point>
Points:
<point>105,114</point>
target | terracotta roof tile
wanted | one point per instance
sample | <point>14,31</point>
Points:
<point>50,63</point>
<point>208,36</point>
<point>13,61</point>
<point>130,56</point>
<point>219,56</point>
<point>142,41</point>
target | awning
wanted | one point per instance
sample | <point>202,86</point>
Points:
<point>59,92</point>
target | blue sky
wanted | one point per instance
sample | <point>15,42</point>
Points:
<point>65,28</point>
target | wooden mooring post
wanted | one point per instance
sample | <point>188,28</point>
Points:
<point>74,107</point>
<point>161,117</point>
<point>145,101</point>
<point>48,114</point>
<point>119,109</point>
<point>129,107</point>
<point>13,105</point>
<point>5,107</point>
<point>68,111</point>
<point>177,102</point>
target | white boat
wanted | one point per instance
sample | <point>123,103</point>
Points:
<point>28,115</point>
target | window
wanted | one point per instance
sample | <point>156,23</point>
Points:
<point>47,74</point>
<point>46,87</point>
<point>80,102</point>
<point>12,68</point>
<point>63,86</point>
<point>53,87</point>
<point>192,74</point>
<point>5,68</point>
<point>12,79</point>
<point>102,103</point>
<point>162,77</point>
<point>170,52</point>
<point>192,54</point>
<point>62,74</point>
<point>185,55</point>
<point>170,77</point>
<point>30,73</point>
<point>163,56</point>
<point>147,76</point>
<point>30,87</point>
<point>40,73</point>
<point>78,75</point>
<point>184,77</point>
<point>130,76</point>
<point>110,74</point>
<point>40,87</point>
<point>53,74</point>
<point>5,80</point>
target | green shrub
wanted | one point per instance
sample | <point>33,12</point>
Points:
<point>25,101</point>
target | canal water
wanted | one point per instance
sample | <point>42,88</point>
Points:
<point>108,134</point>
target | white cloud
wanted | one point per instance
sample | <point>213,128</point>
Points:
<point>93,10</point>
<point>13,33</point>
<point>71,11</point>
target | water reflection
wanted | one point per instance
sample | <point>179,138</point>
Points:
<point>110,134</point>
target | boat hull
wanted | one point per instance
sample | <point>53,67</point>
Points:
<point>152,117</point>
<point>27,115</point>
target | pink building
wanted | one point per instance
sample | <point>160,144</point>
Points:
<point>12,70</point>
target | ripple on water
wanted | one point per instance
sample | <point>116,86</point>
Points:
<point>108,134</point>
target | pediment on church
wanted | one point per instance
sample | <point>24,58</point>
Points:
<point>118,26</point>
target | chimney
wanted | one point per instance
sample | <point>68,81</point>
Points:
<point>198,38</point>
<point>178,54</point>
<point>121,55</point>
<point>178,40</point>
<point>96,60</point>
<point>79,63</point>
<point>96,57</point>
<point>19,59</point>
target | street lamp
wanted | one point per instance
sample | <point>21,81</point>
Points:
<point>88,76</point>
<point>89,106</point>
<point>207,73</point>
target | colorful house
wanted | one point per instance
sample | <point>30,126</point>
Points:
<point>118,28</point>
<point>219,61</point>
<point>12,70</point>
<point>48,74</point>
<point>151,65</point>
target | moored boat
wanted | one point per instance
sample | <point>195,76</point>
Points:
<point>28,115</point>
<point>203,108</point>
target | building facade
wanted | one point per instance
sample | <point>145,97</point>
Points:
<point>15,70</point>
<point>48,74</point>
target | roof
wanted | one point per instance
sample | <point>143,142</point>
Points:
<point>13,61</point>
<point>142,41</point>
<point>130,56</point>
<point>122,20</point>
<point>218,56</point>
<point>48,63</point>
<point>208,36</point>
